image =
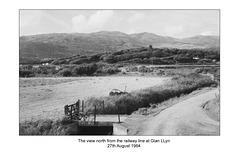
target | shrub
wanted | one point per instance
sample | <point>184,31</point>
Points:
<point>111,70</point>
<point>198,70</point>
<point>160,72</point>
<point>46,70</point>
<point>65,72</point>
<point>87,69</point>
<point>144,69</point>
<point>26,73</point>
<point>132,69</point>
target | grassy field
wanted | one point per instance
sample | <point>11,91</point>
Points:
<point>42,98</point>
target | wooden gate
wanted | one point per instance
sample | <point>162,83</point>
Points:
<point>74,111</point>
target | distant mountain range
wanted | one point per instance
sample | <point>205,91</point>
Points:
<point>65,45</point>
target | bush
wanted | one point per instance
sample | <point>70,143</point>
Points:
<point>65,72</point>
<point>87,69</point>
<point>46,70</point>
<point>111,71</point>
<point>132,69</point>
<point>144,69</point>
<point>26,73</point>
<point>160,72</point>
<point>198,70</point>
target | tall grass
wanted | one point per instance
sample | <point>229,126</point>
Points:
<point>47,127</point>
<point>126,104</point>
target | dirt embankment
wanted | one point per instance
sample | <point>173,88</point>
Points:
<point>187,117</point>
<point>212,108</point>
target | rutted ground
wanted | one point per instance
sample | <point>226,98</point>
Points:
<point>45,97</point>
<point>187,117</point>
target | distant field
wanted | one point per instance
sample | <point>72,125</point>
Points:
<point>45,97</point>
<point>182,66</point>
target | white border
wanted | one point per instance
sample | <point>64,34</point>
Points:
<point>224,145</point>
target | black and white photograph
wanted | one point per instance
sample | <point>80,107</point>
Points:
<point>120,72</point>
<point>119,78</point>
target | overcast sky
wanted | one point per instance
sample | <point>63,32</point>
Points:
<point>174,23</point>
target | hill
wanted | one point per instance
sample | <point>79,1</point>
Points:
<point>59,45</point>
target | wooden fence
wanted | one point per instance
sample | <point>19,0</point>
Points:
<point>76,111</point>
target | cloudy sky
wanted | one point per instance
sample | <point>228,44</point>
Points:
<point>174,23</point>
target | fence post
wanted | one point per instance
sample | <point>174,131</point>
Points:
<point>95,114</point>
<point>66,110</point>
<point>82,106</point>
<point>103,107</point>
<point>78,108</point>
<point>78,105</point>
<point>118,113</point>
<point>119,118</point>
<point>71,116</point>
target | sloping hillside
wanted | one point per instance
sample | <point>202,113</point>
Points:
<point>201,41</point>
<point>64,45</point>
<point>153,39</point>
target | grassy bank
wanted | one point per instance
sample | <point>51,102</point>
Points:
<point>126,104</point>
<point>47,127</point>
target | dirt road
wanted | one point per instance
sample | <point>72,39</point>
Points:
<point>184,118</point>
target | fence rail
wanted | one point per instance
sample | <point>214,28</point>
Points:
<point>76,111</point>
